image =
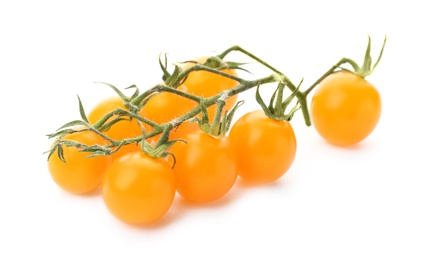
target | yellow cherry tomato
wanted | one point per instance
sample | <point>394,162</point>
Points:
<point>138,189</point>
<point>265,148</point>
<point>79,174</point>
<point>345,108</point>
<point>205,168</point>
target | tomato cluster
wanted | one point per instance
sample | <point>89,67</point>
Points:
<point>138,188</point>
<point>139,175</point>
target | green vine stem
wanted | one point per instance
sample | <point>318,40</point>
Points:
<point>157,128</point>
<point>300,95</point>
<point>365,70</point>
<point>276,108</point>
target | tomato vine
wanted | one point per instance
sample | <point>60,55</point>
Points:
<point>276,109</point>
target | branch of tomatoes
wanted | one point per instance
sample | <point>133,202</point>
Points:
<point>134,104</point>
<point>172,81</point>
<point>365,70</point>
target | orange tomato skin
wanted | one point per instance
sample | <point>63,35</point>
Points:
<point>121,130</point>
<point>205,167</point>
<point>207,84</point>
<point>138,189</point>
<point>166,106</point>
<point>345,108</point>
<point>78,174</point>
<point>265,148</point>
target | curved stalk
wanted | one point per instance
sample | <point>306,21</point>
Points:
<point>134,104</point>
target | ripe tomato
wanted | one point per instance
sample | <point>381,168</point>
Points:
<point>265,147</point>
<point>205,167</point>
<point>138,189</point>
<point>121,130</point>
<point>345,108</point>
<point>79,174</point>
<point>206,84</point>
<point>166,106</point>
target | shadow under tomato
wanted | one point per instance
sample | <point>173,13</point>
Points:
<point>182,208</point>
<point>171,217</point>
<point>242,184</point>
<point>226,199</point>
<point>92,194</point>
<point>353,147</point>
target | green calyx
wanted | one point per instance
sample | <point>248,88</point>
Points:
<point>279,105</point>
<point>216,62</point>
<point>367,68</point>
<point>159,151</point>
<point>170,79</point>
<point>220,124</point>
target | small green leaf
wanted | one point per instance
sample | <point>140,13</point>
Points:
<point>72,124</point>
<point>173,156</point>
<point>145,146</point>
<point>144,101</point>
<point>230,116</point>
<point>262,104</point>
<point>290,115</point>
<point>96,150</point>
<point>61,153</point>
<point>272,99</point>
<point>172,81</point>
<point>60,133</point>
<point>290,98</point>
<point>367,68</point>
<point>50,152</point>
<point>72,143</point>
<point>367,64</point>
<point>82,111</point>
<point>278,111</point>
<point>380,53</point>
<point>97,153</point>
<point>164,67</point>
<point>165,135</point>
<point>119,93</point>
<point>234,65</point>
<point>204,111</point>
<point>93,148</point>
<point>136,93</point>
<point>161,150</point>
<point>105,127</point>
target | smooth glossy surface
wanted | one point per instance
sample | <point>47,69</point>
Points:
<point>79,174</point>
<point>345,108</point>
<point>265,147</point>
<point>205,167</point>
<point>138,189</point>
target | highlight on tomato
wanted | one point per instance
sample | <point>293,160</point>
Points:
<point>139,189</point>
<point>206,84</point>
<point>265,147</point>
<point>77,173</point>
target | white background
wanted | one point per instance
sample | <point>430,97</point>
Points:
<point>373,201</point>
